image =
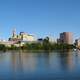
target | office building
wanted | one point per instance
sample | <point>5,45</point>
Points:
<point>65,38</point>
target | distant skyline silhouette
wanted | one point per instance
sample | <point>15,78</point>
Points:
<point>40,17</point>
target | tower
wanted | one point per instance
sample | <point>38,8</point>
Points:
<point>14,32</point>
<point>66,37</point>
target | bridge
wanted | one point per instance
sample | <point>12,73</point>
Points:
<point>9,42</point>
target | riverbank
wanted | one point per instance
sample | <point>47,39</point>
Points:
<point>38,47</point>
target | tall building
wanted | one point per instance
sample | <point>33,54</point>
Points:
<point>14,33</point>
<point>66,38</point>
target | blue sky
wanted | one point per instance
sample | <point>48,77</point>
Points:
<point>40,17</point>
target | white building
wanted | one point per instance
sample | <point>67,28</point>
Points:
<point>22,37</point>
<point>77,42</point>
<point>27,37</point>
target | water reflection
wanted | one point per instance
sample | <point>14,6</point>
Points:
<point>28,64</point>
<point>16,62</point>
<point>66,60</point>
<point>22,61</point>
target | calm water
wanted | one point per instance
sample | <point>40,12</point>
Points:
<point>40,66</point>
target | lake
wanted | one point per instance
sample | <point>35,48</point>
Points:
<point>56,65</point>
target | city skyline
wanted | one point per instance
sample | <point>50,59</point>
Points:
<point>40,17</point>
<point>32,34</point>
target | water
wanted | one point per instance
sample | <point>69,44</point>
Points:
<point>57,65</point>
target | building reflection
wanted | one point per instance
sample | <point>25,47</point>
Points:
<point>16,62</point>
<point>32,62</point>
<point>29,62</point>
<point>66,60</point>
<point>22,62</point>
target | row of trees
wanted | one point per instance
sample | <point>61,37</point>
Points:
<point>44,45</point>
<point>47,45</point>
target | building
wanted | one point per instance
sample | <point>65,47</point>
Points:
<point>14,36</point>
<point>26,37</point>
<point>77,42</point>
<point>14,33</point>
<point>66,38</point>
<point>51,39</point>
<point>21,37</point>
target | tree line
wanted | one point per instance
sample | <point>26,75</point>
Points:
<point>43,45</point>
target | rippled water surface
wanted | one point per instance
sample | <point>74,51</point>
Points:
<point>57,65</point>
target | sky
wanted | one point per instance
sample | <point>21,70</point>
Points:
<point>40,17</point>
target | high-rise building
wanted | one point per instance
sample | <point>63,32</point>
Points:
<point>66,38</point>
<point>14,33</point>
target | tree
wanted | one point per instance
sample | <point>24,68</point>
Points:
<point>46,43</point>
